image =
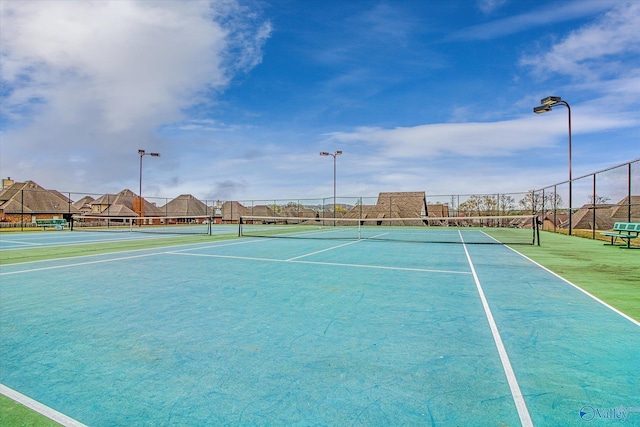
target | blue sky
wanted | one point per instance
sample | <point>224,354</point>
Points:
<point>240,97</point>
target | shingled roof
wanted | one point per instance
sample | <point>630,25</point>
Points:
<point>231,211</point>
<point>84,204</point>
<point>620,211</point>
<point>29,197</point>
<point>185,205</point>
<point>110,204</point>
<point>411,204</point>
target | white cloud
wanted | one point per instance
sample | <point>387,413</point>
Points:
<point>96,79</point>
<point>489,6</point>
<point>465,139</point>
<point>124,61</point>
<point>556,13</point>
<point>593,50</point>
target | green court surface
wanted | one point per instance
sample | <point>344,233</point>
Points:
<point>610,273</point>
<point>202,331</point>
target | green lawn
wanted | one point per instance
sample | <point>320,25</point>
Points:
<point>13,414</point>
<point>610,273</point>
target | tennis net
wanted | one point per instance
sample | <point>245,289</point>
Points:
<point>155,224</point>
<point>510,230</point>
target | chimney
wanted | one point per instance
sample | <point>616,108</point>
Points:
<point>6,183</point>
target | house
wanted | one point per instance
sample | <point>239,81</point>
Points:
<point>125,203</point>
<point>620,211</point>
<point>604,216</point>
<point>84,205</point>
<point>554,220</point>
<point>187,207</point>
<point>411,205</point>
<point>590,218</point>
<point>438,210</point>
<point>232,211</point>
<point>27,202</point>
<point>299,211</point>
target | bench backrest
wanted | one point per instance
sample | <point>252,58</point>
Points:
<point>51,221</point>
<point>627,226</point>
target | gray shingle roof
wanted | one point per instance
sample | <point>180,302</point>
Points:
<point>185,205</point>
<point>36,200</point>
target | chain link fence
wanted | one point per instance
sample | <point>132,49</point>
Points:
<point>598,200</point>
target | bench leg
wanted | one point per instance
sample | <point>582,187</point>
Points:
<point>628,245</point>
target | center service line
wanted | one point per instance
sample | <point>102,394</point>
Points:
<point>518,398</point>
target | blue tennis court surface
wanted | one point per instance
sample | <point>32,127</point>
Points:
<point>27,240</point>
<point>315,332</point>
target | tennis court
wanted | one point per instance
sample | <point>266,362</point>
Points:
<point>263,331</point>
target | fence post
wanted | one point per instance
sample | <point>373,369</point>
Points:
<point>22,210</point>
<point>629,193</point>
<point>593,233</point>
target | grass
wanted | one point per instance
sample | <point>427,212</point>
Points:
<point>610,273</point>
<point>13,414</point>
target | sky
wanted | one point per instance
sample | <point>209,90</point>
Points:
<point>239,98</point>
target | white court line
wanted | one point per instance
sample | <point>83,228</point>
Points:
<point>161,252</point>
<point>322,250</point>
<point>379,267</point>
<point>632,320</point>
<point>516,393</point>
<point>334,247</point>
<point>18,242</point>
<point>40,408</point>
<point>56,267</point>
<point>84,242</point>
<point>235,242</point>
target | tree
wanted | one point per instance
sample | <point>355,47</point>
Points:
<point>532,202</point>
<point>506,204</point>
<point>594,199</point>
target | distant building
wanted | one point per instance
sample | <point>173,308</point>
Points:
<point>27,202</point>
<point>126,204</point>
<point>411,205</point>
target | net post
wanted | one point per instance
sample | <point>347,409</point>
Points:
<point>239,226</point>
<point>538,222</point>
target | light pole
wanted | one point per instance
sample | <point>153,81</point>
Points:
<point>334,155</point>
<point>143,153</point>
<point>547,105</point>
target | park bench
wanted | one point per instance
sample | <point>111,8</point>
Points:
<point>58,224</point>
<point>625,231</point>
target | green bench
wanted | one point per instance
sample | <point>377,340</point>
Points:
<point>625,231</point>
<point>58,224</point>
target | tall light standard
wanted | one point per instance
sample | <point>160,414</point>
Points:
<point>334,155</point>
<point>143,153</point>
<point>547,105</point>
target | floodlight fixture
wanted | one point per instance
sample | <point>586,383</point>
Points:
<point>324,153</point>
<point>541,109</point>
<point>550,100</point>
